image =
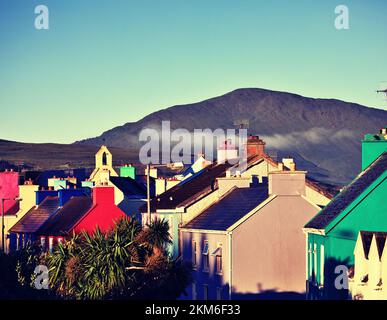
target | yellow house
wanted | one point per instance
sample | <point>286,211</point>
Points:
<point>370,272</point>
<point>28,200</point>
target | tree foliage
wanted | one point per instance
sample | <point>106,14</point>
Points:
<point>128,262</point>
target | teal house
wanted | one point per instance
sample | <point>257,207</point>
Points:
<point>332,233</point>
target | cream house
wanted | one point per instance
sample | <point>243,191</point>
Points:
<point>370,270</point>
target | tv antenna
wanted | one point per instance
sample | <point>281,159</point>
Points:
<point>242,123</point>
<point>383,89</point>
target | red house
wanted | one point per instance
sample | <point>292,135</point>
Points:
<point>81,213</point>
<point>9,190</point>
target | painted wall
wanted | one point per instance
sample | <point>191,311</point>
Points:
<point>9,189</point>
<point>103,213</point>
<point>174,220</point>
<point>367,213</point>
<point>215,281</point>
<point>43,194</point>
<point>128,171</point>
<point>371,150</point>
<point>268,250</point>
<point>27,193</point>
<point>316,197</point>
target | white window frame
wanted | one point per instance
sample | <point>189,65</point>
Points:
<point>43,242</point>
<point>217,270</point>
<point>194,256</point>
<point>50,243</point>
<point>206,256</point>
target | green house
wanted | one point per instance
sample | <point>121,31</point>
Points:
<point>332,233</point>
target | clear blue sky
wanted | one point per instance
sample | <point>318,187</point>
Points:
<point>104,63</point>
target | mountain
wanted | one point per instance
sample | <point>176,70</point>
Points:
<point>15,155</point>
<point>323,135</point>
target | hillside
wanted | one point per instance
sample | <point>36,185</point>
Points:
<point>322,134</point>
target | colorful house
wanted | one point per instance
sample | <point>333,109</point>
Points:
<point>188,199</point>
<point>14,210</point>
<point>248,243</point>
<point>370,270</point>
<point>48,202</point>
<point>332,233</point>
<point>81,214</point>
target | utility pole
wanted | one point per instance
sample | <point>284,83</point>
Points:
<point>148,193</point>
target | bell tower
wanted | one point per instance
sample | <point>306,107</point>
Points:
<point>103,166</point>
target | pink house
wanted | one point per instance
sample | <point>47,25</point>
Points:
<point>250,244</point>
<point>9,189</point>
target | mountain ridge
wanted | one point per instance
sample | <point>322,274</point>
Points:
<point>326,132</point>
<point>323,135</point>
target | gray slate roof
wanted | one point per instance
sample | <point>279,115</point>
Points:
<point>35,217</point>
<point>229,209</point>
<point>62,222</point>
<point>349,194</point>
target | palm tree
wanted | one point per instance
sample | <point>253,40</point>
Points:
<point>156,236</point>
<point>127,262</point>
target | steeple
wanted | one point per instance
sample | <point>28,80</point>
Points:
<point>103,166</point>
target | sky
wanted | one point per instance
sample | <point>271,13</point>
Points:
<point>104,63</point>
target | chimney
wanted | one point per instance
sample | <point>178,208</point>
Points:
<point>103,195</point>
<point>153,172</point>
<point>66,194</point>
<point>287,183</point>
<point>373,145</point>
<point>255,146</point>
<point>226,152</point>
<point>227,183</point>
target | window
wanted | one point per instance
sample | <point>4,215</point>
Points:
<point>218,259</point>
<point>50,243</point>
<point>206,257</point>
<point>43,242</point>
<point>104,159</point>
<point>310,255</point>
<point>205,292</point>
<point>194,253</point>
<point>194,292</point>
<point>219,291</point>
